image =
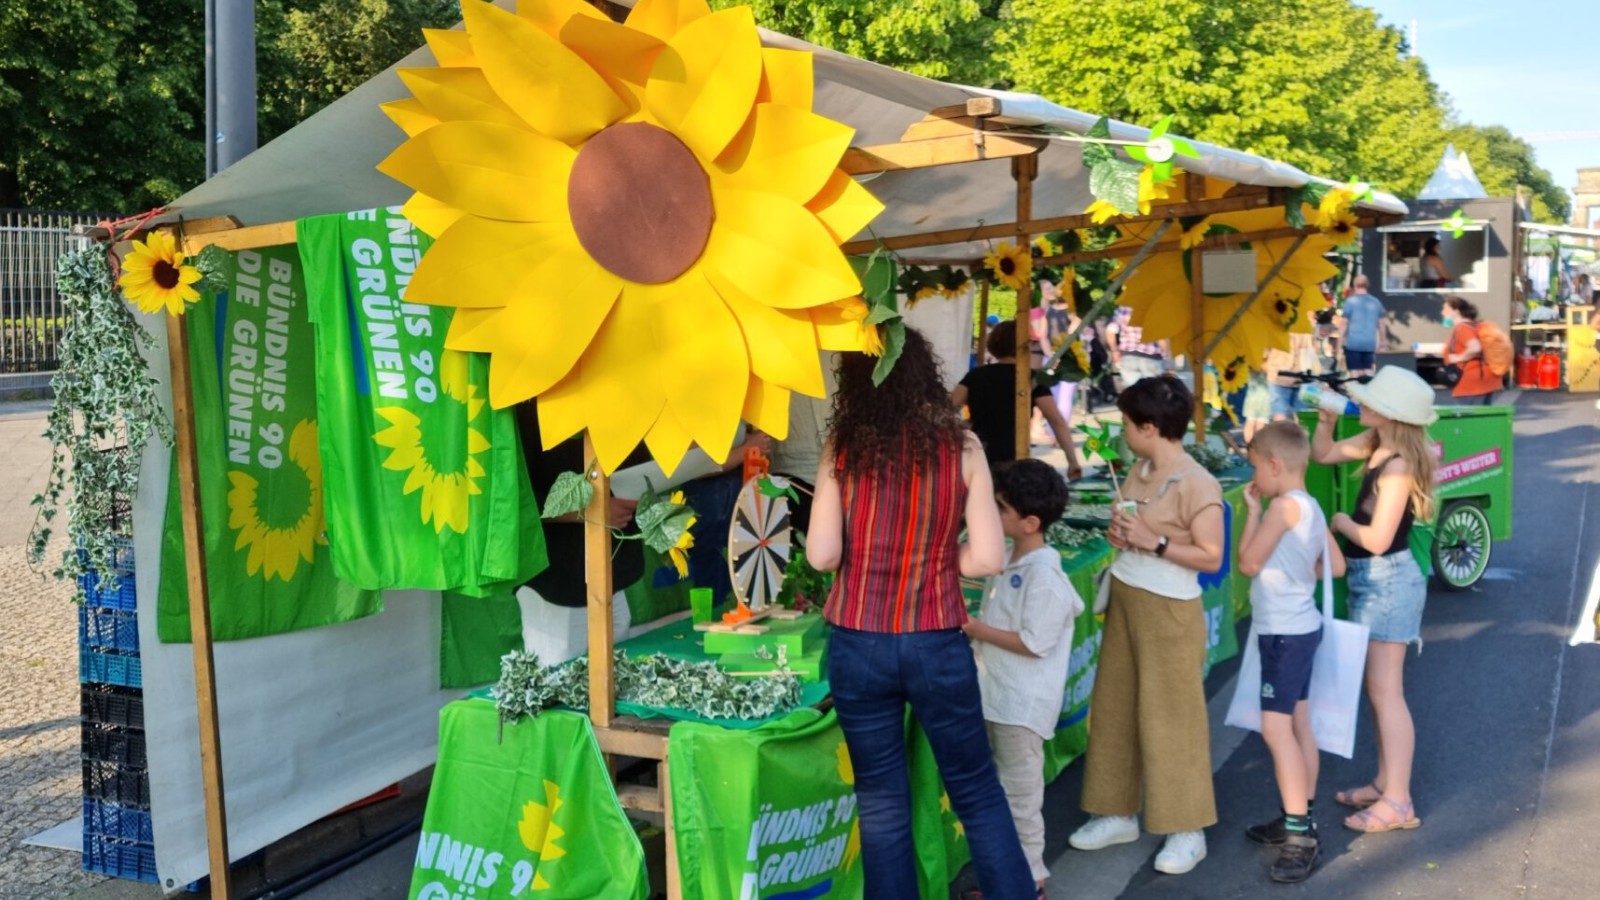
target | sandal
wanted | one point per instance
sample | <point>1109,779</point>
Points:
<point>1349,798</point>
<point>1368,821</point>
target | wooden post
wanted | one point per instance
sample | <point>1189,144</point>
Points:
<point>983,318</point>
<point>1195,185</point>
<point>194,552</point>
<point>1023,169</point>
<point>597,578</point>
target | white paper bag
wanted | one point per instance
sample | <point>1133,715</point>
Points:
<point>1336,675</point>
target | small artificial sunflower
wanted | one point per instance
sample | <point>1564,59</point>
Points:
<point>1010,265</point>
<point>1150,189</point>
<point>1044,247</point>
<point>155,277</point>
<point>1233,375</point>
<point>1194,234</point>
<point>1339,225</point>
<point>1101,211</point>
<point>639,222</point>
<point>679,551</point>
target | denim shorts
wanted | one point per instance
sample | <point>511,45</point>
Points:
<point>1360,359</point>
<point>1386,595</point>
<point>1286,669</point>
<point>1283,400</point>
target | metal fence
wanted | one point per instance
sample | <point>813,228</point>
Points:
<point>31,314</point>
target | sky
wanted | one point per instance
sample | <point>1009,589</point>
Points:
<point>1530,65</point>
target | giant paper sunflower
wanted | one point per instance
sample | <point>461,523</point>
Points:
<point>638,222</point>
<point>278,539</point>
<point>1159,292</point>
<point>442,466</point>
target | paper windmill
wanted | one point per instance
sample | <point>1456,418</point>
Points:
<point>1098,439</point>
<point>1458,223</point>
<point>640,223</point>
<point>1158,153</point>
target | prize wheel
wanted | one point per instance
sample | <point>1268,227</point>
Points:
<point>759,543</point>
<point>1461,545</point>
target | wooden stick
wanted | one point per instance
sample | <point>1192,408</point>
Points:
<point>1023,169</point>
<point>597,581</point>
<point>983,318</point>
<point>194,551</point>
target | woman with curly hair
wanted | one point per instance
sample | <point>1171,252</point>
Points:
<point>898,473</point>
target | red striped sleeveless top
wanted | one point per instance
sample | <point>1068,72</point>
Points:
<point>900,571</point>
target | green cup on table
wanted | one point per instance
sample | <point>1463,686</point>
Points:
<point>704,604</point>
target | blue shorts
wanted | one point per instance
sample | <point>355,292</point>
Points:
<point>1286,669</point>
<point>1386,595</point>
<point>1360,359</point>
<point>1283,400</point>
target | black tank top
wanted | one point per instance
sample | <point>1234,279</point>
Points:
<point>1366,500</point>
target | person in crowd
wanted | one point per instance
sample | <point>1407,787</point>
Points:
<point>1151,741</point>
<point>1387,588</point>
<point>989,394</point>
<point>1258,409</point>
<point>1023,640</point>
<point>1363,329</point>
<point>1130,354</point>
<point>554,604</point>
<point>1434,274</point>
<point>1282,552</point>
<point>1465,352</point>
<point>796,456</point>
<point>898,472</point>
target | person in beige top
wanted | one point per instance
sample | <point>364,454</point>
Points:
<point>1150,743</point>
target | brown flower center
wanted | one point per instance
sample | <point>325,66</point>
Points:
<point>1008,266</point>
<point>165,274</point>
<point>640,203</point>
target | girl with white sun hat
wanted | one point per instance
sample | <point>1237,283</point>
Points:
<point>1387,587</point>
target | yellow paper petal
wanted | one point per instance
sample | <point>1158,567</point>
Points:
<point>453,95</point>
<point>561,410</point>
<point>782,345</point>
<point>450,47</point>
<point>665,18</point>
<point>412,117</point>
<point>552,15</point>
<point>622,401</point>
<point>786,77</point>
<point>430,215</point>
<point>772,248</point>
<point>704,366</point>
<point>835,330</point>
<point>789,151</point>
<point>481,262</point>
<point>704,82</point>
<point>551,87</point>
<point>668,441</point>
<point>766,406</point>
<point>844,206</point>
<point>621,55</point>
<point>524,179</point>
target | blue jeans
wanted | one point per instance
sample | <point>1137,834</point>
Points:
<point>873,677</point>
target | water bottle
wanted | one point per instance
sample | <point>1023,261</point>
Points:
<point>1318,396</point>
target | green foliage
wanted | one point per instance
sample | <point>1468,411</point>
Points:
<point>946,39</point>
<point>1504,162</point>
<point>661,522</point>
<point>804,587</point>
<point>105,411</point>
<point>570,493</point>
<point>527,687</point>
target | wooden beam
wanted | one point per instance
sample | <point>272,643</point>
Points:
<point>251,237</point>
<point>1024,170</point>
<point>1255,198</point>
<point>640,797</point>
<point>1211,243</point>
<point>939,151</point>
<point>194,552</point>
<point>597,581</point>
<point>625,742</point>
<point>983,318</point>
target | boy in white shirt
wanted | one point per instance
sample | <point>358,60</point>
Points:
<point>1283,552</point>
<point>1023,638</point>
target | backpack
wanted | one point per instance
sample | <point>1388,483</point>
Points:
<point>1497,352</point>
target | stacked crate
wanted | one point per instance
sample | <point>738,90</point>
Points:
<point>118,839</point>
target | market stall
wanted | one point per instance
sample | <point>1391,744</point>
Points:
<point>354,699</point>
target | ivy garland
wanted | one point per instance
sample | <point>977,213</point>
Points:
<point>105,411</point>
<point>527,687</point>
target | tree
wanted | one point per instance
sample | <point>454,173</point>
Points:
<point>946,39</point>
<point>1319,85</point>
<point>1504,162</point>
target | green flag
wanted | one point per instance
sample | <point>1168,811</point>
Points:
<point>261,481</point>
<point>474,633</point>
<point>426,485</point>
<point>768,812</point>
<point>532,815</point>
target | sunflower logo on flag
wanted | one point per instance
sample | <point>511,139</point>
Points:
<point>539,831</point>
<point>445,470</point>
<point>639,223</point>
<point>277,544</point>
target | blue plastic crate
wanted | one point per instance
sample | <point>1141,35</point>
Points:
<point>96,667</point>
<point>103,628</point>
<point>119,859</point>
<point>108,820</point>
<point>98,594</point>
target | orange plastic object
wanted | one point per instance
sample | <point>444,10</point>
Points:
<point>755,464</point>
<point>738,614</point>
<point>1527,369</point>
<point>1549,370</point>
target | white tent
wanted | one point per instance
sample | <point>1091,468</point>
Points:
<point>313,720</point>
<point>1454,179</point>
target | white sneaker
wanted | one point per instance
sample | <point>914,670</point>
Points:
<point>1181,852</point>
<point>1104,831</point>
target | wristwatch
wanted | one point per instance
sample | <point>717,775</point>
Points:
<point>1161,546</point>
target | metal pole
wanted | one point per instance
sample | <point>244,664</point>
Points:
<point>233,67</point>
<point>211,88</point>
